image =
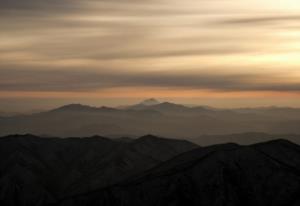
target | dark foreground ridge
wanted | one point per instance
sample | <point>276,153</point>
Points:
<point>149,171</point>
<point>229,174</point>
<point>39,171</point>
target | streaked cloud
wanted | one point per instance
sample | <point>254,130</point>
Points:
<point>220,45</point>
<point>254,20</point>
<point>31,80</point>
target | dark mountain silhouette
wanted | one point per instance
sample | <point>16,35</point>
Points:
<point>228,174</point>
<point>36,171</point>
<point>163,119</point>
<point>243,138</point>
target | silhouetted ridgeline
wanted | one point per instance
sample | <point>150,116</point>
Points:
<point>243,138</point>
<point>36,171</point>
<point>148,171</point>
<point>229,174</point>
<point>163,119</point>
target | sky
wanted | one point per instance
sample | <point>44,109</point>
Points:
<point>222,53</point>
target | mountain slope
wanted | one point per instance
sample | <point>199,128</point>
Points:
<point>219,175</point>
<point>37,170</point>
<point>243,138</point>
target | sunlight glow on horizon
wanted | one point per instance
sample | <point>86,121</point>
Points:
<point>155,48</point>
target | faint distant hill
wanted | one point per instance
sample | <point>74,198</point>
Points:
<point>150,102</point>
<point>82,108</point>
<point>229,174</point>
<point>36,171</point>
<point>144,104</point>
<point>151,116</point>
<point>8,114</point>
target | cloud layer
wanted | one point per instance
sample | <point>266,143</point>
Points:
<point>72,45</point>
<point>64,81</point>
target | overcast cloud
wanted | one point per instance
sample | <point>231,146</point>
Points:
<point>220,45</point>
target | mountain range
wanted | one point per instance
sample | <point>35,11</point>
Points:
<point>38,171</point>
<point>148,171</point>
<point>243,138</point>
<point>221,175</point>
<point>152,117</point>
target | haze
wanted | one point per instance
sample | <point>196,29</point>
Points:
<point>223,53</point>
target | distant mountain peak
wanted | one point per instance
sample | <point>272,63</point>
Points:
<point>73,107</point>
<point>84,108</point>
<point>149,102</point>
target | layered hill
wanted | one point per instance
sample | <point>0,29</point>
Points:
<point>229,174</point>
<point>38,171</point>
<point>152,117</point>
<point>243,138</point>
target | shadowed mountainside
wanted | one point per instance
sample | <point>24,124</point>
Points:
<point>36,171</point>
<point>228,174</point>
<point>243,138</point>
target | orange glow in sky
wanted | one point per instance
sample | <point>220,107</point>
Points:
<point>212,50</point>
